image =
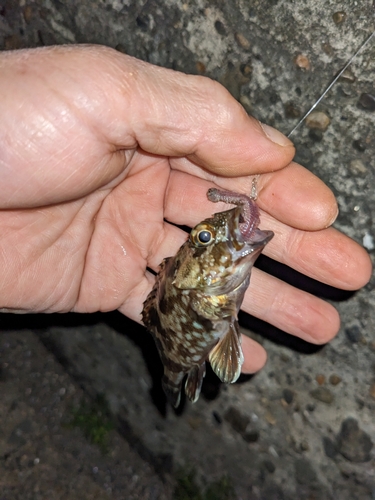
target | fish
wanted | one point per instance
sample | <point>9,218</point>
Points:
<point>192,310</point>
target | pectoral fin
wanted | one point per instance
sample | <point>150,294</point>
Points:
<point>226,357</point>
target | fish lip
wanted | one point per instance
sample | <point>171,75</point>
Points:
<point>254,246</point>
<point>260,238</point>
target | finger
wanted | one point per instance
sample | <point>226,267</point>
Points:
<point>270,299</point>
<point>164,111</point>
<point>254,354</point>
<point>173,114</point>
<point>290,309</point>
<point>292,195</point>
<point>327,255</point>
<point>298,198</point>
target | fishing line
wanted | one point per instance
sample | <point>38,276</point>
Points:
<point>362,46</point>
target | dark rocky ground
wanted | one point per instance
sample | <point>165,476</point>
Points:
<point>304,427</point>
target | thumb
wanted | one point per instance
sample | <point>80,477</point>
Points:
<point>170,113</point>
<point>175,114</point>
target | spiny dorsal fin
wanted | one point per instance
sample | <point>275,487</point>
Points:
<point>149,305</point>
<point>226,357</point>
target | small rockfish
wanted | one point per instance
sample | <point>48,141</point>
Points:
<point>192,309</point>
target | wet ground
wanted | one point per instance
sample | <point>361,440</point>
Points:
<point>302,428</point>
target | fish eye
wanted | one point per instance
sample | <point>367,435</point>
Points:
<point>202,235</point>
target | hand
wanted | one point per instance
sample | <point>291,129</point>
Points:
<point>101,154</point>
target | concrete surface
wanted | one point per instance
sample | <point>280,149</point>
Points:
<point>304,427</point>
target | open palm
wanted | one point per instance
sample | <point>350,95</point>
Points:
<point>103,155</point>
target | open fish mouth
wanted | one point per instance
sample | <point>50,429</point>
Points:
<point>249,219</point>
<point>259,238</point>
<point>246,219</point>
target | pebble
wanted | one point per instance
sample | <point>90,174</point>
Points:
<point>353,334</point>
<point>291,111</point>
<point>353,443</point>
<point>339,17</point>
<point>269,466</point>
<point>330,448</point>
<point>288,396</point>
<point>220,28</point>
<point>315,135</point>
<point>322,394</point>
<point>201,68</point>
<point>372,390</point>
<point>348,76</point>
<point>142,22</point>
<point>367,101</point>
<point>246,69</point>
<point>320,378</point>
<point>318,120</point>
<point>310,407</point>
<point>302,62</point>
<point>242,41</point>
<point>237,420</point>
<point>368,243</point>
<point>251,436</point>
<point>334,379</point>
<point>270,418</point>
<point>239,423</point>
<point>328,49</point>
<point>359,145</point>
<point>357,167</point>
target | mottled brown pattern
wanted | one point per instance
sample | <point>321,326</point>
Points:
<point>192,309</point>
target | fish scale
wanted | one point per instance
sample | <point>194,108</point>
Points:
<point>192,309</point>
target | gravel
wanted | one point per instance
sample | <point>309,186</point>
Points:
<point>302,428</point>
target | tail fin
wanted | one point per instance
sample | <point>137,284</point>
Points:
<point>172,384</point>
<point>194,382</point>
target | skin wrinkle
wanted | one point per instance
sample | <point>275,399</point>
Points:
<point>189,132</point>
<point>60,98</point>
<point>86,279</point>
<point>279,305</point>
<point>39,260</point>
<point>115,88</point>
<point>276,192</point>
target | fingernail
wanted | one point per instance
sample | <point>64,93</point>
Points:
<point>333,218</point>
<point>275,136</point>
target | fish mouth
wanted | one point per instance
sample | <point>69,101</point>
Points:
<point>246,210</point>
<point>259,238</point>
<point>253,246</point>
<point>247,231</point>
